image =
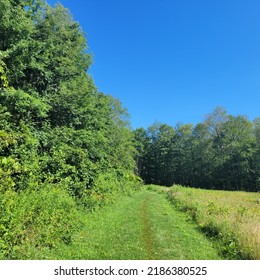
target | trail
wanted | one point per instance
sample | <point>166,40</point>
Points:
<point>147,231</point>
<point>144,226</point>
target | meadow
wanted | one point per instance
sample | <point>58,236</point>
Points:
<point>231,218</point>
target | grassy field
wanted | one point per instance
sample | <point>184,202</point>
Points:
<point>151,224</point>
<point>143,226</point>
<point>230,218</point>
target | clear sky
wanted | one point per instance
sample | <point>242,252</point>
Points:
<point>174,60</point>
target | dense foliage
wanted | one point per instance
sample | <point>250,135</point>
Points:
<point>222,152</point>
<point>63,144</point>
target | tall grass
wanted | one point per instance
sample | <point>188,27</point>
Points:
<point>233,218</point>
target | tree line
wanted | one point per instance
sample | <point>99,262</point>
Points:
<point>222,152</point>
<point>63,144</point>
<point>55,126</point>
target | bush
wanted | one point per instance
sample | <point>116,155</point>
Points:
<point>108,186</point>
<point>37,221</point>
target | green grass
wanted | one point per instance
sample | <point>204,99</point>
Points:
<point>143,226</point>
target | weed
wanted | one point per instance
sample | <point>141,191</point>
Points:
<point>230,218</point>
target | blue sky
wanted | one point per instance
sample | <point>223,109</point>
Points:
<point>174,60</point>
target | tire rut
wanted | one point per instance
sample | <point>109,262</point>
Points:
<point>147,233</point>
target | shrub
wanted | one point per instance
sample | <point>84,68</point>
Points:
<point>108,186</point>
<point>38,221</point>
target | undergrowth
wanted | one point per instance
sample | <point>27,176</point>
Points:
<point>34,223</point>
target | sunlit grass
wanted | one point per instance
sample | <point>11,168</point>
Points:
<point>233,217</point>
<point>144,226</point>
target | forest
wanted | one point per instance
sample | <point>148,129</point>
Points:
<point>66,147</point>
<point>222,152</point>
<point>63,144</point>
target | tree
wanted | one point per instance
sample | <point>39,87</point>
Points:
<point>49,96</point>
<point>202,157</point>
<point>222,152</point>
<point>237,145</point>
<point>256,155</point>
<point>59,137</point>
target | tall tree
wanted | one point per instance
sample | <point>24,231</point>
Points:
<point>222,152</point>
